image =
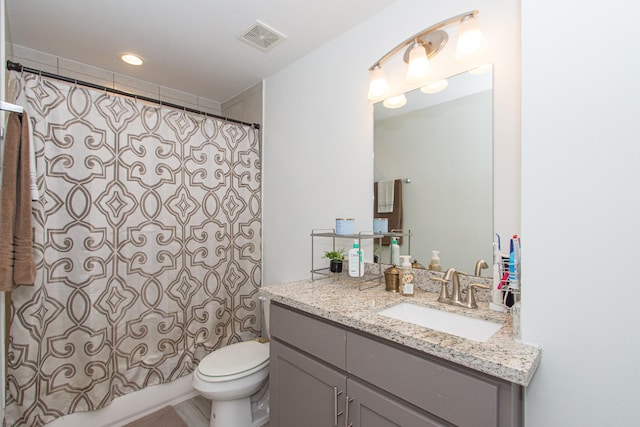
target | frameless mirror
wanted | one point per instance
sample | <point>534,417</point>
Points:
<point>443,144</point>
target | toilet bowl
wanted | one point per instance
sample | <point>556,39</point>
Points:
<point>230,377</point>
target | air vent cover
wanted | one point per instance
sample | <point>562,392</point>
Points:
<point>262,36</point>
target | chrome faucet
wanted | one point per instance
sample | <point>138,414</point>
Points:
<point>455,298</point>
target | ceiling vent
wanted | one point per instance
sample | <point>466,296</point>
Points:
<point>262,36</point>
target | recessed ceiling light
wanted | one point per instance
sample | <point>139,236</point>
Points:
<point>132,59</point>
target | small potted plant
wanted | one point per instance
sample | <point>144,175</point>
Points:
<point>335,260</point>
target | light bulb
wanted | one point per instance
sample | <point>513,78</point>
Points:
<point>435,87</point>
<point>131,59</point>
<point>471,42</point>
<point>395,101</point>
<point>378,85</point>
<point>418,64</point>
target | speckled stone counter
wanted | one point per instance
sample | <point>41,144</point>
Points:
<point>339,299</point>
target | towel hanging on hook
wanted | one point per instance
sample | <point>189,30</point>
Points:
<point>17,264</point>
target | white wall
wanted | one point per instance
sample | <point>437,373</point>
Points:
<point>246,107</point>
<point>318,133</point>
<point>581,210</point>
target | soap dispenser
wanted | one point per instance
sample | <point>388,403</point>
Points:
<point>395,251</point>
<point>406,278</point>
<point>435,261</point>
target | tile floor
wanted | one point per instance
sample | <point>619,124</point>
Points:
<point>195,412</point>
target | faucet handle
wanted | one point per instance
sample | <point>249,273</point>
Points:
<point>471,295</point>
<point>444,290</point>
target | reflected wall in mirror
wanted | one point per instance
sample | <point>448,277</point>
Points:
<point>444,144</point>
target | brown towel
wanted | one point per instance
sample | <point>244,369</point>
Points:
<point>17,265</point>
<point>395,217</point>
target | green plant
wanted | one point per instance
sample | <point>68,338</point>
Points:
<point>339,254</point>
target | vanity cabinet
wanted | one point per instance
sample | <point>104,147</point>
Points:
<point>306,390</point>
<point>326,374</point>
<point>308,393</point>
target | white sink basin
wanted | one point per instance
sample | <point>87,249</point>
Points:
<point>456,324</point>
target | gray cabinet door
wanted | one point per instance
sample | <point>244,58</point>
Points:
<point>303,391</point>
<point>369,408</point>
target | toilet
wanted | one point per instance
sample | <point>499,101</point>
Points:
<point>232,378</point>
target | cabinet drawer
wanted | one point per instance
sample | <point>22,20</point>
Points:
<point>464,400</point>
<point>322,340</point>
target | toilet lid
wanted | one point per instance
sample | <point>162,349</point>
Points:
<point>234,359</point>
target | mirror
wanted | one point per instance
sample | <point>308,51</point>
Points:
<point>443,144</point>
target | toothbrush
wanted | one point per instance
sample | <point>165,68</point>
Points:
<point>504,279</point>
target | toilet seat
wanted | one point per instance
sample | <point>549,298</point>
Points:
<point>234,361</point>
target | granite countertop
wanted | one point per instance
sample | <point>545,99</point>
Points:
<point>339,299</point>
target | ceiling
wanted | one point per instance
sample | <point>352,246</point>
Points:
<point>190,45</point>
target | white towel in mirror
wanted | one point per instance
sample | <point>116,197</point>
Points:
<point>385,196</point>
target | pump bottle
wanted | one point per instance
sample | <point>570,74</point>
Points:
<point>356,260</point>
<point>435,261</point>
<point>406,276</point>
<point>395,251</point>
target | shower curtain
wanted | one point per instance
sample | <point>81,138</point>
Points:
<point>148,248</point>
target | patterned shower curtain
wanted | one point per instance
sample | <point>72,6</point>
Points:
<point>148,248</point>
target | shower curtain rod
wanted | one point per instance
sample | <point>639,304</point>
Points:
<point>14,66</point>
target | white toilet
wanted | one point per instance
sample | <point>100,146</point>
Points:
<point>235,379</point>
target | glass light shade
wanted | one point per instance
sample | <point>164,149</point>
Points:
<point>435,87</point>
<point>418,64</point>
<point>131,59</point>
<point>471,42</point>
<point>395,101</point>
<point>378,85</point>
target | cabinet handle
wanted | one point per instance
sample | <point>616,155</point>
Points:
<point>346,412</point>
<point>336,414</point>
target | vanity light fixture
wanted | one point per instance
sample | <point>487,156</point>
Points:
<point>424,45</point>
<point>378,85</point>
<point>131,59</point>
<point>418,65</point>
<point>471,42</point>
<point>435,87</point>
<point>395,101</point>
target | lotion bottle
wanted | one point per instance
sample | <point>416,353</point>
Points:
<point>435,261</point>
<point>356,261</point>
<point>395,251</point>
<point>406,277</point>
